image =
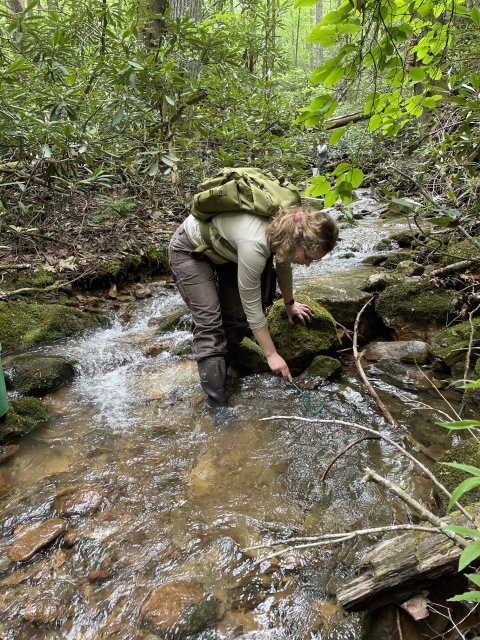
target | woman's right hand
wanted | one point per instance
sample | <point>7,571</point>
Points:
<point>278,365</point>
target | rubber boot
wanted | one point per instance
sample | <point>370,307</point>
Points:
<point>213,372</point>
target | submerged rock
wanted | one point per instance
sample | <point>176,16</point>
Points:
<point>36,375</point>
<point>399,375</point>
<point>183,348</point>
<point>83,502</point>
<point>451,345</point>
<point>298,344</point>
<point>23,324</point>
<point>179,608</point>
<point>44,609</point>
<point>406,351</point>
<point>250,357</point>
<point>22,416</point>
<point>32,538</point>
<point>415,311</point>
<point>322,368</point>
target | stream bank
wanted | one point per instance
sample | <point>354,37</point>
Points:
<point>156,502</point>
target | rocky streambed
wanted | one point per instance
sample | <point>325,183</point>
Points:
<point>126,511</point>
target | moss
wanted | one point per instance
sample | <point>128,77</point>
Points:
<point>250,357</point>
<point>174,320</point>
<point>466,452</point>
<point>23,325</point>
<point>21,418</point>
<point>157,257</point>
<point>451,344</point>
<point>299,344</point>
<point>323,367</point>
<point>464,249</point>
<point>393,260</point>
<point>37,374</point>
<point>415,302</point>
<point>39,278</point>
<point>133,262</point>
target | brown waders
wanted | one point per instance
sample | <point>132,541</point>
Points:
<point>211,293</point>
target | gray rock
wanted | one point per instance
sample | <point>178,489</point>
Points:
<point>183,348</point>
<point>406,351</point>
<point>36,375</point>
<point>410,268</point>
<point>398,375</point>
<point>379,282</point>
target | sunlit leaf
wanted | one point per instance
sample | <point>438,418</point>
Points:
<point>118,116</point>
<point>468,596</point>
<point>336,135</point>
<point>460,424</point>
<point>463,531</point>
<point>463,487</point>
<point>469,554</point>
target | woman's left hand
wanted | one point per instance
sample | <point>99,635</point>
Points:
<point>300,311</point>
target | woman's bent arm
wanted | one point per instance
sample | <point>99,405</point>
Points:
<point>275,361</point>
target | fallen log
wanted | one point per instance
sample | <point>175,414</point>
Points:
<point>401,567</point>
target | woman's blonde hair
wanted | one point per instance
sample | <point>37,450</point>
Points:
<point>301,227</point>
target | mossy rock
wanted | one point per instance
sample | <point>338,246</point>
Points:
<point>343,304</point>
<point>157,258</point>
<point>322,368</point>
<point>451,345</point>
<point>395,259</point>
<point>38,278</point>
<point>298,344</point>
<point>250,357</point>
<point>414,310</point>
<point>183,349</point>
<point>466,452</point>
<point>375,260</point>
<point>22,416</point>
<point>175,320</point>
<point>402,238</point>
<point>464,249</point>
<point>36,375</point>
<point>23,325</point>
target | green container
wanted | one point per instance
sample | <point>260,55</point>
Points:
<point>3,391</point>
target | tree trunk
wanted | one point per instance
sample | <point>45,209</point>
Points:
<point>15,6</point>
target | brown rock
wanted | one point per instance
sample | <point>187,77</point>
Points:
<point>407,351</point>
<point>142,292</point>
<point>112,292</point>
<point>34,537</point>
<point>178,608</point>
<point>70,538</point>
<point>155,349</point>
<point>9,451</point>
<point>44,610</point>
<point>6,482</point>
<point>82,503</point>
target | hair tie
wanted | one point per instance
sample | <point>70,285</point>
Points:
<point>298,216</point>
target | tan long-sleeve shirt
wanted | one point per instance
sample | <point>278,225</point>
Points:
<point>246,233</point>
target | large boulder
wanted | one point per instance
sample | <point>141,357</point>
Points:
<point>415,310</point>
<point>462,250</point>
<point>406,351</point>
<point>22,416</point>
<point>23,325</point>
<point>298,344</point>
<point>36,374</point>
<point>451,345</point>
<point>344,305</point>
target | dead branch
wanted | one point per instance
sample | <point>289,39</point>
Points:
<point>383,408</point>
<point>14,267</point>
<point>4,295</point>
<point>421,466</point>
<point>458,267</point>
<point>413,504</point>
<point>339,455</point>
<point>341,121</point>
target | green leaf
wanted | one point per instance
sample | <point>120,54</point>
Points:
<point>336,135</point>
<point>30,6</point>
<point>461,424</point>
<point>473,577</point>
<point>463,531</point>
<point>118,116</point>
<point>475,15</point>
<point>469,554</point>
<point>326,36</point>
<point>461,10</point>
<point>21,63</point>
<point>153,168</point>
<point>475,78</point>
<point>468,468</point>
<point>169,100</point>
<point>463,487</point>
<point>444,221</point>
<point>330,198</point>
<point>134,64</point>
<point>375,122</point>
<point>357,178</point>
<point>411,204</point>
<point>47,153</point>
<point>304,3</point>
<point>417,74</point>
<point>468,596</point>
<point>334,77</point>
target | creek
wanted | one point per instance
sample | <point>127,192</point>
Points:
<point>182,496</point>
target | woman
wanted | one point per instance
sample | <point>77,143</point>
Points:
<point>222,288</point>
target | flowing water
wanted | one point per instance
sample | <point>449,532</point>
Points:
<point>182,496</point>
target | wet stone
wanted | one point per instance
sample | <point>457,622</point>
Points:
<point>70,538</point>
<point>406,350</point>
<point>82,503</point>
<point>156,349</point>
<point>6,483</point>
<point>44,610</point>
<point>34,537</point>
<point>142,292</point>
<point>8,451</point>
<point>179,608</point>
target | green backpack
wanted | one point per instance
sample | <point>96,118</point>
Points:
<point>233,190</point>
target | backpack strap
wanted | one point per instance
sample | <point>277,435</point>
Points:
<point>205,228</point>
